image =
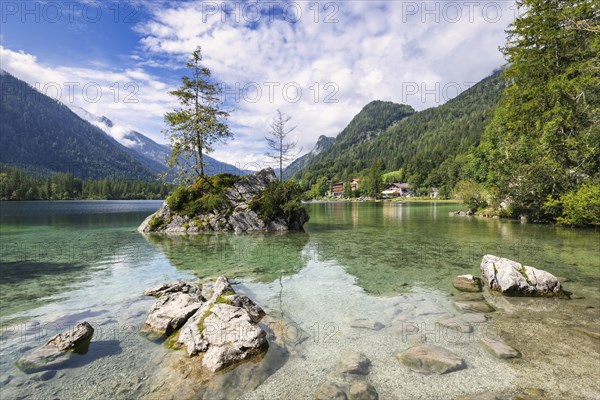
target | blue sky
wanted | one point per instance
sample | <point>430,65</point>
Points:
<point>319,62</point>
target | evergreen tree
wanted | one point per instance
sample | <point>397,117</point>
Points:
<point>347,189</point>
<point>545,134</point>
<point>200,122</point>
<point>319,188</point>
<point>375,179</point>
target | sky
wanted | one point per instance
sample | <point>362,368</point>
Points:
<point>318,62</point>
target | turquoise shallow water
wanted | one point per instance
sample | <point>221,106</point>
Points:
<point>62,262</point>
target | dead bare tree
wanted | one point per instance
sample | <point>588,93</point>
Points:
<point>280,149</point>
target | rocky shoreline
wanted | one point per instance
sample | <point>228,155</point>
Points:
<point>217,329</point>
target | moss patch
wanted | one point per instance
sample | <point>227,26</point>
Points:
<point>171,341</point>
<point>523,272</point>
<point>204,196</point>
<point>156,223</point>
<point>223,298</point>
<point>200,323</point>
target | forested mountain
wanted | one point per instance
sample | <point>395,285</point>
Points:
<point>41,134</point>
<point>339,158</point>
<point>323,143</point>
<point>426,145</point>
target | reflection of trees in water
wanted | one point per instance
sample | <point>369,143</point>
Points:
<point>263,256</point>
<point>395,246</point>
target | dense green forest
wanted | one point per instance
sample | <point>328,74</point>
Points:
<point>18,185</point>
<point>426,148</point>
<point>540,155</point>
<point>40,132</point>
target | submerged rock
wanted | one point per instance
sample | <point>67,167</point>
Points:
<point>353,363</point>
<point>44,376</point>
<point>349,380</point>
<point>512,278</point>
<point>58,349</point>
<point>499,349</point>
<point>467,283</point>
<point>430,359</point>
<point>362,390</point>
<point>330,391</point>
<point>367,324</point>
<point>473,306</point>
<point>531,394</point>
<point>469,296</point>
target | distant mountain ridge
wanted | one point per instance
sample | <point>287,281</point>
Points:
<point>41,134</point>
<point>153,155</point>
<point>323,143</point>
<point>372,120</point>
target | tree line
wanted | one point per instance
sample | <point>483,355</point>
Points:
<point>15,184</point>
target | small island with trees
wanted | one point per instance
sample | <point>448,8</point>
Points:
<point>221,202</point>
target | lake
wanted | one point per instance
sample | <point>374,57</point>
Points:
<point>65,262</point>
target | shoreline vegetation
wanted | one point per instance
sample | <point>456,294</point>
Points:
<point>18,185</point>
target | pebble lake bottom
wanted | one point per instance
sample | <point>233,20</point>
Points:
<point>363,277</point>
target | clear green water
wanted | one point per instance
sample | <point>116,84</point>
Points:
<point>62,262</point>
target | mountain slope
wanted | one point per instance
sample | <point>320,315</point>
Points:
<point>424,144</point>
<point>323,143</point>
<point>365,127</point>
<point>39,133</point>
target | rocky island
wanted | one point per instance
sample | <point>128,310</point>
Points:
<point>230,203</point>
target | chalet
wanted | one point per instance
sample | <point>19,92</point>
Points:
<point>434,193</point>
<point>337,189</point>
<point>397,190</point>
<point>354,184</point>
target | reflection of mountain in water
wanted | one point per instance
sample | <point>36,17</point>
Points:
<point>264,257</point>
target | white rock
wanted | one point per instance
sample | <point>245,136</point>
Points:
<point>512,278</point>
<point>225,327</point>
<point>170,312</point>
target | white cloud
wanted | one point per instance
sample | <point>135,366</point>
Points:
<point>372,52</point>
